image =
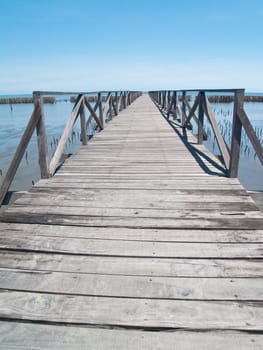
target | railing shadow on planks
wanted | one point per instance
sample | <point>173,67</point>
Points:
<point>106,105</point>
<point>176,103</point>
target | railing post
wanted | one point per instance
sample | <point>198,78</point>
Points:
<point>163,100</point>
<point>83,124</point>
<point>200,136</point>
<point>183,107</point>
<point>236,134</point>
<point>160,98</point>
<point>175,105</point>
<point>117,103</point>
<point>129,97</point>
<point>41,138</point>
<point>119,99</point>
<point>110,107</point>
<point>168,102</point>
<point>100,110</point>
<point>124,100</point>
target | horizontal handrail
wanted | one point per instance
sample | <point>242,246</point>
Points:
<point>176,103</point>
<point>50,93</point>
<point>101,113</point>
<point>200,90</point>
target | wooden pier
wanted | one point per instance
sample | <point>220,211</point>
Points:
<point>139,241</point>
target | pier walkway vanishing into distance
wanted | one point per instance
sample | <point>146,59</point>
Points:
<point>139,241</point>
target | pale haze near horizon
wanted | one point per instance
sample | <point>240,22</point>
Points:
<point>132,45</point>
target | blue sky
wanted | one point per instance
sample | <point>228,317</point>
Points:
<point>134,44</point>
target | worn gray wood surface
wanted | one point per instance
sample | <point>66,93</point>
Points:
<point>133,286</point>
<point>24,336</point>
<point>131,312</point>
<point>135,232</point>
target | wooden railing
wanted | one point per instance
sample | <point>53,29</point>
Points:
<point>177,104</point>
<point>106,106</point>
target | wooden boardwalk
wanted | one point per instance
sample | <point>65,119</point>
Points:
<point>138,242</point>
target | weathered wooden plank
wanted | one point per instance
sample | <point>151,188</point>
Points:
<point>144,179</point>
<point>17,335</point>
<point>170,288</point>
<point>164,205</point>
<point>225,221</point>
<point>160,180</point>
<point>127,312</point>
<point>130,170</point>
<point>133,166</point>
<point>233,193</point>
<point>123,184</point>
<point>165,196</point>
<point>130,234</point>
<point>108,247</point>
<point>134,174</point>
<point>173,199</point>
<point>146,213</point>
<point>132,266</point>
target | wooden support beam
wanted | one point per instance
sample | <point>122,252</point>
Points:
<point>240,119</point>
<point>196,119</point>
<point>93,114</point>
<point>219,138</point>
<point>106,108</point>
<point>251,134</point>
<point>62,142</point>
<point>192,110</point>
<point>97,105</point>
